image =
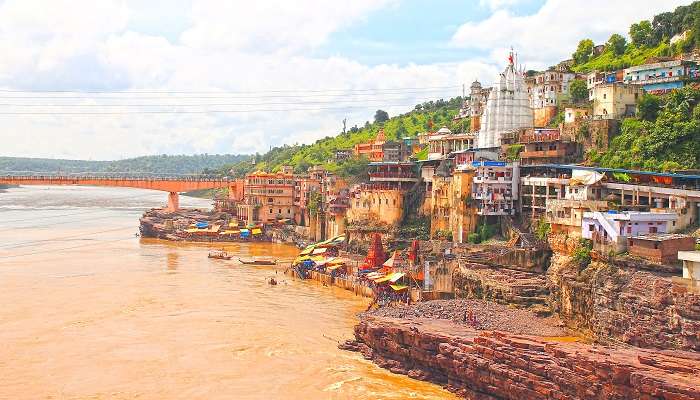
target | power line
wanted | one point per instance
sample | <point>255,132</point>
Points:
<point>345,90</point>
<point>192,111</point>
<point>204,104</point>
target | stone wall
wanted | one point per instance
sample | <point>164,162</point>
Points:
<point>489,365</point>
<point>501,285</point>
<point>611,302</point>
<point>592,134</point>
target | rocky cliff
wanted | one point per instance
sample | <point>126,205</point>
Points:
<point>488,365</point>
<point>612,302</point>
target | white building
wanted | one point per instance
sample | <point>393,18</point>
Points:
<point>495,187</point>
<point>545,88</point>
<point>507,108</point>
<point>609,230</point>
<point>691,265</point>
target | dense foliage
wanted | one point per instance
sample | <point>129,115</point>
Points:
<point>647,39</point>
<point>424,117</point>
<point>149,164</point>
<point>669,142</point>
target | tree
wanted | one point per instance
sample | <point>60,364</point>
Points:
<point>641,34</point>
<point>578,89</point>
<point>616,44</point>
<point>583,51</point>
<point>381,116</point>
<point>648,107</point>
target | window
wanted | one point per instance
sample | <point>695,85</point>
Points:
<point>270,211</point>
<point>591,228</point>
<point>605,95</point>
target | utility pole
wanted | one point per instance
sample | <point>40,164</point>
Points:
<point>345,121</point>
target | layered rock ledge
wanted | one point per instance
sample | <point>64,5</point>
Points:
<point>488,364</point>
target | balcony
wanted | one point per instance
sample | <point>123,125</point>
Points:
<point>544,154</point>
<point>392,176</point>
<point>541,137</point>
<point>493,179</point>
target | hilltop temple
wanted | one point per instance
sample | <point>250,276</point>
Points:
<point>507,107</point>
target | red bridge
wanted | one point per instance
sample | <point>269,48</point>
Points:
<point>173,184</point>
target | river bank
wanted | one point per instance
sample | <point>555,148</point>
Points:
<point>498,364</point>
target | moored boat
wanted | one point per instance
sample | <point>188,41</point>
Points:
<point>219,255</point>
<point>258,262</point>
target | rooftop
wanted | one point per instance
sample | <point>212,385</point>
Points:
<point>660,237</point>
<point>619,170</point>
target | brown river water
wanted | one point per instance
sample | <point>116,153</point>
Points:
<point>89,311</point>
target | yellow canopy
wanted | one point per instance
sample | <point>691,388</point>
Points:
<point>334,267</point>
<point>390,278</point>
<point>233,224</point>
<point>306,251</point>
<point>257,231</point>
<point>301,259</point>
<point>398,288</point>
<point>320,250</point>
<point>229,232</point>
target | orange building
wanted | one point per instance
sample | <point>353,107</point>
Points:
<point>268,197</point>
<point>374,151</point>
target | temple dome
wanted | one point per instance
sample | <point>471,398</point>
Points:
<point>507,108</point>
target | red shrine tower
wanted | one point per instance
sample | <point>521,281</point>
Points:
<point>375,255</point>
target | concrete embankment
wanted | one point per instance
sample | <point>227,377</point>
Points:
<point>349,283</point>
<point>489,364</point>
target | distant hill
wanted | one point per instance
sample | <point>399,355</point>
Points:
<point>180,164</point>
<point>428,116</point>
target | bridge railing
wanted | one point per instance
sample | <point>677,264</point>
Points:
<point>111,175</point>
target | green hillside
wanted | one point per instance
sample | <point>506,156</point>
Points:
<point>645,39</point>
<point>665,137</point>
<point>179,164</point>
<point>301,157</point>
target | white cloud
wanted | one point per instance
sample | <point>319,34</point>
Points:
<point>551,34</point>
<point>498,4</point>
<point>233,46</point>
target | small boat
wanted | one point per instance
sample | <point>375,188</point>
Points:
<point>220,255</point>
<point>258,262</point>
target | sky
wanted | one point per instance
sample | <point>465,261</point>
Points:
<point>111,79</point>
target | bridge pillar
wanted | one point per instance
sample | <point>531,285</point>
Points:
<point>173,202</point>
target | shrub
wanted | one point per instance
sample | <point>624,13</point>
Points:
<point>582,253</point>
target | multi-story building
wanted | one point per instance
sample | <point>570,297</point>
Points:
<point>662,77</point>
<point>476,105</point>
<point>615,100</point>
<point>443,142</point>
<point>268,197</point>
<point>546,146</point>
<point>396,151</point>
<point>609,230</point>
<point>545,88</point>
<point>342,154</point>
<point>596,78</point>
<point>495,187</point>
<point>374,150</point>
<point>382,199</point>
<point>305,188</point>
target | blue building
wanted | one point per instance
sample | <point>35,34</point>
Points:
<point>662,77</point>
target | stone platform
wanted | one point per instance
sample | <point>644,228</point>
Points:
<point>489,365</point>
